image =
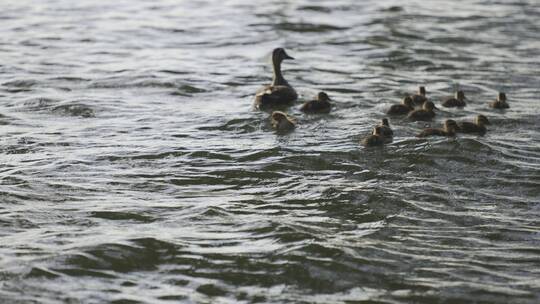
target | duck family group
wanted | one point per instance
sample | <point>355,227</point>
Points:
<point>280,94</point>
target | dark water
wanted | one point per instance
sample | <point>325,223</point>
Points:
<point>134,170</point>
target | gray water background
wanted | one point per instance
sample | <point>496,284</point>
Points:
<point>135,171</point>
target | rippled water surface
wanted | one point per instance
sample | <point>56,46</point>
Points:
<point>134,169</point>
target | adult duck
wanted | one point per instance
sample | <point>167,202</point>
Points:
<point>320,105</point>
<point>457,101</point>
<point>478,126</point>
<point>500,102</point>
<point>279,92</point>
<point>449,129</point>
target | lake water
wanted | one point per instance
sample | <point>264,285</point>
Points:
<point>134,169</point>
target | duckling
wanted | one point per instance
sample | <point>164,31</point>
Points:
<point>282,122</point>
<point>405,107</point>
<point>449,129</point>
<point>500,103</point>
<point>375,139</point>
<point>478,126</point>
<point>457,101</point>
<point>420,97</point>
<point>386,131</point>
<point>424,114</point>
<point>320,105</point>
<point>279,92</point>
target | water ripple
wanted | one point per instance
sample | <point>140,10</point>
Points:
<point>136,171</point>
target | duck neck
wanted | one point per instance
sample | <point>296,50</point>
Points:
<point>278,77</point>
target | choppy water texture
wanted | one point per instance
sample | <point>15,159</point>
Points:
<point>135,171</point>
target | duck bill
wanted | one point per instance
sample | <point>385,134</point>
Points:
<point>287,56</point>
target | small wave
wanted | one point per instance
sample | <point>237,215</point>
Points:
<point>80,110</point>
<point>308,27</point>
<point>21,83</point>
<point>141,156</point>
<point>37,272</point>
<point>453,40</point>
<point>122,216</point>
<point>102,260</point>
<point>40,104</point>
<point>392,9</point>
<point>70,79</point>
<point>315,8</point>
<point>240,125</point>
<point>175,72</point>
<point>188,90</point>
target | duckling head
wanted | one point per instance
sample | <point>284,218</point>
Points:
<point>278,116</point>
<point>482,120</point>
<point>378,130</point>
<point>384,122</point>
<point>460,95</point>
<point>422,90</point>
<point>279,54</point>
<point>502,96</point>
<point>450,125</point>
<point>429,106</point>
<point>322,96</point>
<point>407,100</point>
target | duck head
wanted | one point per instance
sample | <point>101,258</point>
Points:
<point>279,54</point>
<point>482,120</point>
<point>428,106</point>
<point>450,126</point>
<point>322,96</point>
<point>422,91</point>
<point>278,116</point>
<point>384,122</point>
<point>502,96</point>
<point>460,95</point>
<point>377,131</point>
<point>407,100</point>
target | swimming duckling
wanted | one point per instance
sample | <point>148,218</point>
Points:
<point>420,97</point>
<point>478,126</point>
<point>375,139</point>
<point>281,122</point>
<point>405,107</point>
<point>424,114</point>
<point>449,129</point>
<point>320,105</point>
<point>279,92</point>
<point>500,103</point>
<point>457,101</point>
<point>386,131</point>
